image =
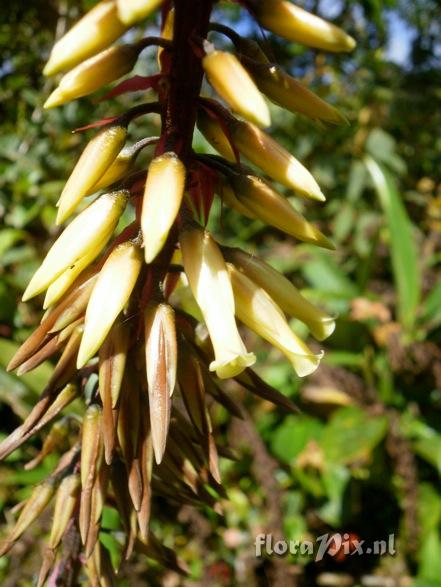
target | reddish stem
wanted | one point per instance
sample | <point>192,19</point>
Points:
<point>179,115</point>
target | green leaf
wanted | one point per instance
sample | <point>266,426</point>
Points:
<point>324,274</point>
<point>8,238</point>
<point>429,508</point>
<point>351,435</point>
<point>430,450</point>
<point>432,307</point>
<point>356,181</point>
<point>291,437</point>
<point>404,253</point>
<point>430,557</point>
<point>335,480</point>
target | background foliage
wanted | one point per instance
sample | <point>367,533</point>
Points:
<point>363,455</point>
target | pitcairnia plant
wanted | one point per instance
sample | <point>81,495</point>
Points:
<point>146,370</point>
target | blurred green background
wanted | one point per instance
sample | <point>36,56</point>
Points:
<point>363,455</point>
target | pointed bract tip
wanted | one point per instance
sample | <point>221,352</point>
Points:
<point>54,99</point>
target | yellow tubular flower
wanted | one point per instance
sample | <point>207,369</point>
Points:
<point>228,196</point>
<point>260,313</point>
<point>233,83</point>
<point>214,134</point>
<point>131,11</point>
<point>273,159</point>
<point>292,95</point>
<point>39,499</point>
<point>272,208</point>
<point>59,287</point>
<point>295,24</point>
<point>120,167</point>
<point>65,503</point>
<point>283,292</point>
<point>211,287</point>
<point>164,190</point>
<point>93,74</point>
<point>96,158</point>
<point>86,234</point>
<point>250,49</point>
<point>93,33</point>
<point>110,294</point>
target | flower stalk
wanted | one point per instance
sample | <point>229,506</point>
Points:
<point>144,325</point>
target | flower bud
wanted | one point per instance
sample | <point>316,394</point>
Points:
<point>283,292</point>
<point>164,190</point>
<point>131,11</point>
<point>74,304</point>
<point>65,502</point>
<point>34,506</point>
<point>91,34</point>
<point>96,502</point>
<point>166,31</point>
<point>267,205</point>
<point>110,294</point>
<point>211,287</point>
<point>59,287</point>
<point>273,159</point>
<point>43,412</point>
<point>233,83</point>
<point>228,196</point>
<point>93,74</point>
<point>128,425</point>
<point>295,24</point>
<point>120,166</point>
<point>99,568</point>
<point>113,356</point>
<point>96,158</point>
<point>249,48</point>
<point>212,131</point>
<point>90,444</point>
<point>161,360</point>
<point>260,313</point>
<point>289,93</point>
<point>86,234</point>
<point>112,363</point>
<point>54,440</point>
<point>91,458</point>
<point>65,368</point>
<point>192,387</point>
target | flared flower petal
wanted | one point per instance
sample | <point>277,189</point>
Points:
<point>211,287</point>
<point>283,292</point>
<point>258,311</point>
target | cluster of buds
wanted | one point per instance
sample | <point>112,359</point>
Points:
<point>146,369</point>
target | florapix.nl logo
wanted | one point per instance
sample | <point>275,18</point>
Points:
<point>335,544</point>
